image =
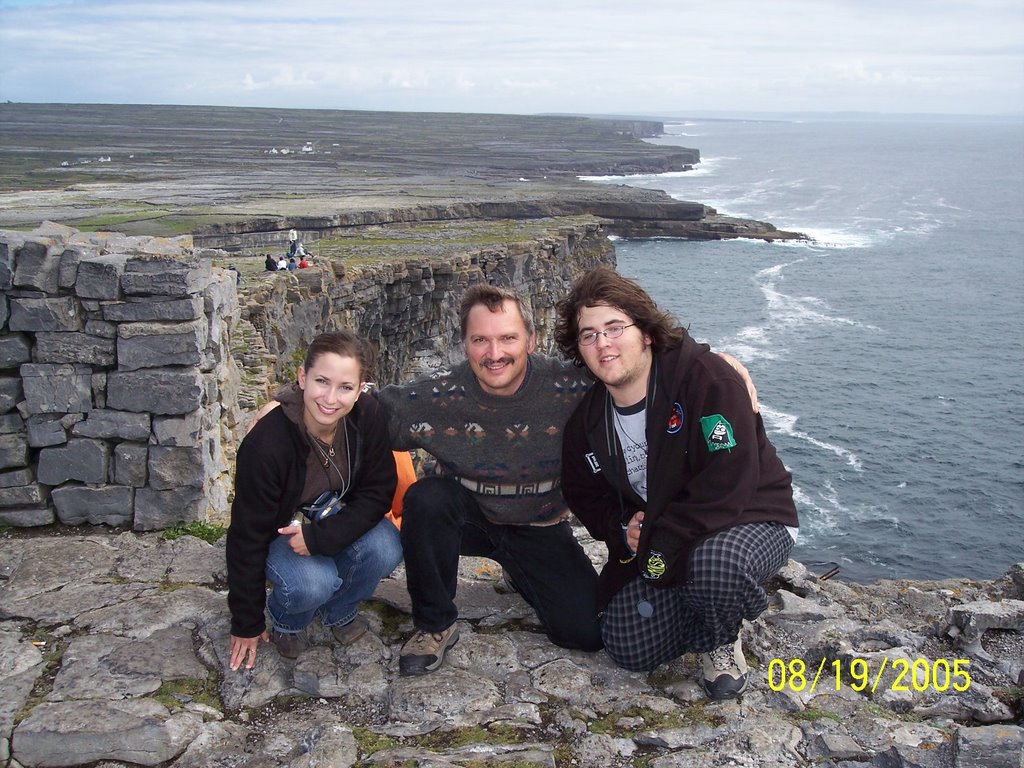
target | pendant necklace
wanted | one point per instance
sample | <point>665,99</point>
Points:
<point>326,450</point>
<point>326,453</point>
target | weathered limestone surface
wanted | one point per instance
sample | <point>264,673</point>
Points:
<point>113,651</point>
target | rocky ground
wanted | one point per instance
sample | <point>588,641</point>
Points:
<point>112,653</point>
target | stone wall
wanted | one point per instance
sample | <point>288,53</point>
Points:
<point>115,379</point>
<point>128,365</point>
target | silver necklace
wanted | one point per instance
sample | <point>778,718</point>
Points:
<point>325,450</point>
<point>327,456</point>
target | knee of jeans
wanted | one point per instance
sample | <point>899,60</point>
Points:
<point>306,595</point>
<point>386,548</point>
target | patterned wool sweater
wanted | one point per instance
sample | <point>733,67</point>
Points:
<point>506,449</point>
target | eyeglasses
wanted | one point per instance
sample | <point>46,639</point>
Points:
<point>612,332</point>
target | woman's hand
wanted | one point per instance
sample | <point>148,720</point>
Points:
<point>295,539</point>
<point>243,650</point>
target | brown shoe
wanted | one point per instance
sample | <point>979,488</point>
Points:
<point>346,634</point>
<point>424,651</point>
<point>289,644</point>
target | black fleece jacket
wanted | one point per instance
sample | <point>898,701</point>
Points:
<point>697,485</point>
<point>270,474</point>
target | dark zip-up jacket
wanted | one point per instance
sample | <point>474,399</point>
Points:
<point>270,474</point>
<point>697,485</point>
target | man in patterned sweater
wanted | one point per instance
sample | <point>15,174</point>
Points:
<point>494,423</point>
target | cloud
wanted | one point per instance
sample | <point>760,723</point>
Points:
<point>540,56</point>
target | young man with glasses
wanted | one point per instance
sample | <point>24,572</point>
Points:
<point>665,461</point>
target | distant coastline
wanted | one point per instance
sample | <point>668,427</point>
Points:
<point>166,171</point>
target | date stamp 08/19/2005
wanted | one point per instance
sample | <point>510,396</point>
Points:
<point>920,675</point>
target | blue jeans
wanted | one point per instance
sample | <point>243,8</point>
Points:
<point>441,520</point>
<point>331,587</point>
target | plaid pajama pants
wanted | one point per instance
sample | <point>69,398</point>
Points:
<point>645,626</point>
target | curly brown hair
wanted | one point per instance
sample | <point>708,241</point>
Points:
<point>605,286</point>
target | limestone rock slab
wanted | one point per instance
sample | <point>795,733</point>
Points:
<point>156,510</point>
<point>110,424</point>
<point>188,606</point>
<point>104,666</point>
<point>140,731</point>
<point>38,265</point>
<point>448,695</point>
<point>154,309</point>
<point>60,313</point>
<point>155,390</point>
<point>80,459</point>
<point>103,505</point>
<point>99,277</point>
<point>20,665</point>
<point>13,451</point>
<point>15,349</point>
<point>57,388</point>
<point>75,347</point>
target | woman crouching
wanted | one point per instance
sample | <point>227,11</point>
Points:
<point>313,482</point>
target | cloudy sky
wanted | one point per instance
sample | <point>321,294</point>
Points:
<point>523,56</point>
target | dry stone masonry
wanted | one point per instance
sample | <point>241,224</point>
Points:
<point>114,378</point>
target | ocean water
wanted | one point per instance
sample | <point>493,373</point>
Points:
<point>889,351</point>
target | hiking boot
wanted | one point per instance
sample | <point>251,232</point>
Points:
<point>724,671</point>
<point>346,634</point>
<point>424,651</point>
<point>289,644</point>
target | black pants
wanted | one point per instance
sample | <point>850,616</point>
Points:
<point>441,520</point>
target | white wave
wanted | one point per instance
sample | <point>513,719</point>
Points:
<point>777,422</point>
<point>799,310</point>
<point>816,518</point>
<point>942,203</point>
<point>706,166</point>
<point>832,238</point>
<point>750,343</point>
<point>634,177</point>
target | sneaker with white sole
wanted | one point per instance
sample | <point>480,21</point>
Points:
<point>424,651</point>
<point>724,671</point>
